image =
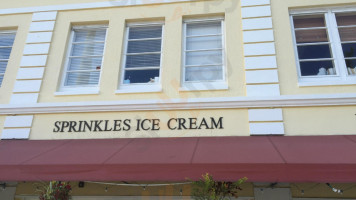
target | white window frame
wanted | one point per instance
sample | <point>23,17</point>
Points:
<point>204,85</point>
<point>341,77</point>
<point>6,32</point>
<point>83,89</point>
<point>140,87</point>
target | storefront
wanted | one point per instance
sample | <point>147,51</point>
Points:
<point>134,99</point>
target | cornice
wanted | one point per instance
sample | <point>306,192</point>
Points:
<point>283,101</point>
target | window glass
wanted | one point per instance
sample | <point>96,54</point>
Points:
<point>143,54</point>
<point>203,51</point>
<point>86,55</point>
<point>6,42</point>
<point>313,46</point>
<point>347,28</point>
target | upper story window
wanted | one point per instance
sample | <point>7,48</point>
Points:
<point>326,48</point>
<point>85,58</point>
<point>6,41</point>
<point>203,53</point>
<point>142,57</point>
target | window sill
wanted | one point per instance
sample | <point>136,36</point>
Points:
<point>138,89</point>
<point>204,86</point>
<point>77,91</point>
<point>326,82</point>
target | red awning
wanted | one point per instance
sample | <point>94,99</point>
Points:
<point>260,159</point>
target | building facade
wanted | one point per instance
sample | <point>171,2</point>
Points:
<point>132,97</point>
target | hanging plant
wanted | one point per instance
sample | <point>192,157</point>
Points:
<point>208,189</point>
<point>56,190</point>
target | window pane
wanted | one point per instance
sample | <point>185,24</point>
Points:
<point>346,19</point>
<point>309,21</point>
<point>88,49</point>
<point>317,68</point>
<point>141,76</point>
<point>203,73</point>
<point>311,36</point>
<point>349,50</point>
<point>146,60</point>
<point>351,66</point>
<point>7,39</point>
<point>5,53</point>
<point>89,35</point>
<point>3,65</point>
<point>144,46</point>
<point>347,34</point>
<point>207,42</point>
<point>314,51</point>
<point>82,78</point>
<point>85,63</point>
<point>204,28</point>
<point>1,78</point>
<point>145,32</point>
<point>203,58</point>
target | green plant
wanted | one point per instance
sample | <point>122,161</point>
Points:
<point>56,190</point>
<point>208,189</point>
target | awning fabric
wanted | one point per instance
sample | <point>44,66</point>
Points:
<point>259,158</point>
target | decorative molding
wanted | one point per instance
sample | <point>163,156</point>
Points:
<point>42,26</point>
<point>18,121</point>
<point>267,128</point>
<point>33,61</point>
<point>28,98</point>
<point>27,86</point>
<point>107,4</point>
<point>261,62</point>
<point>257,23</point>
<point>30,73</point>
<point>283,101</point>
<point>262,90</point>
<point>254,2</point>
<point>258,36</point>
<point>259,49</point>
<point>31,49</point>
<point>18,133</point>
<point>264,115</point>
<point>39,37</point>
<point>258,11</point>
<point>262,76</point>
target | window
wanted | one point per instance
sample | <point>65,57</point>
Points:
<point>142,56</point>
<point>203,51</point>
<point>325,47</point>
<point>6,41</point>
<point>85,58</point>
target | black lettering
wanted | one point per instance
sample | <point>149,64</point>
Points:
<point>203,123</point>
<point>127,126</point>
<point>72,125</point>
<point>80,126</point>
<point>106,126</point>
<point>65,124</point>
<point>57,125</point>
<point>97,125</point>
<point>143,121</point>
<point>117,125</point>
<point>138,125</point>
<point>218,125</point>
<point>181,123</point>
<point>155,124</point>
<point>193,121</point>
<point>86,125</point>
<point>169,124</point>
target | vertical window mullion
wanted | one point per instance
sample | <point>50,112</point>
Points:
<point>335,43</point>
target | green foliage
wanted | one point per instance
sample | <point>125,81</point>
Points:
<point>56,190</point>
<point>208,189</point>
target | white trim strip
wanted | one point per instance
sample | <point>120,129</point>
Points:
<point>269,128</point>
<point>108,4</point>
<point>184,104</point>
<point>260,115</point>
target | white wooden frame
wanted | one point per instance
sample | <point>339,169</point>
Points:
<point>341,77</point>
<point>204,85</point>
<point>140,87</point>
<point>85,89</point>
